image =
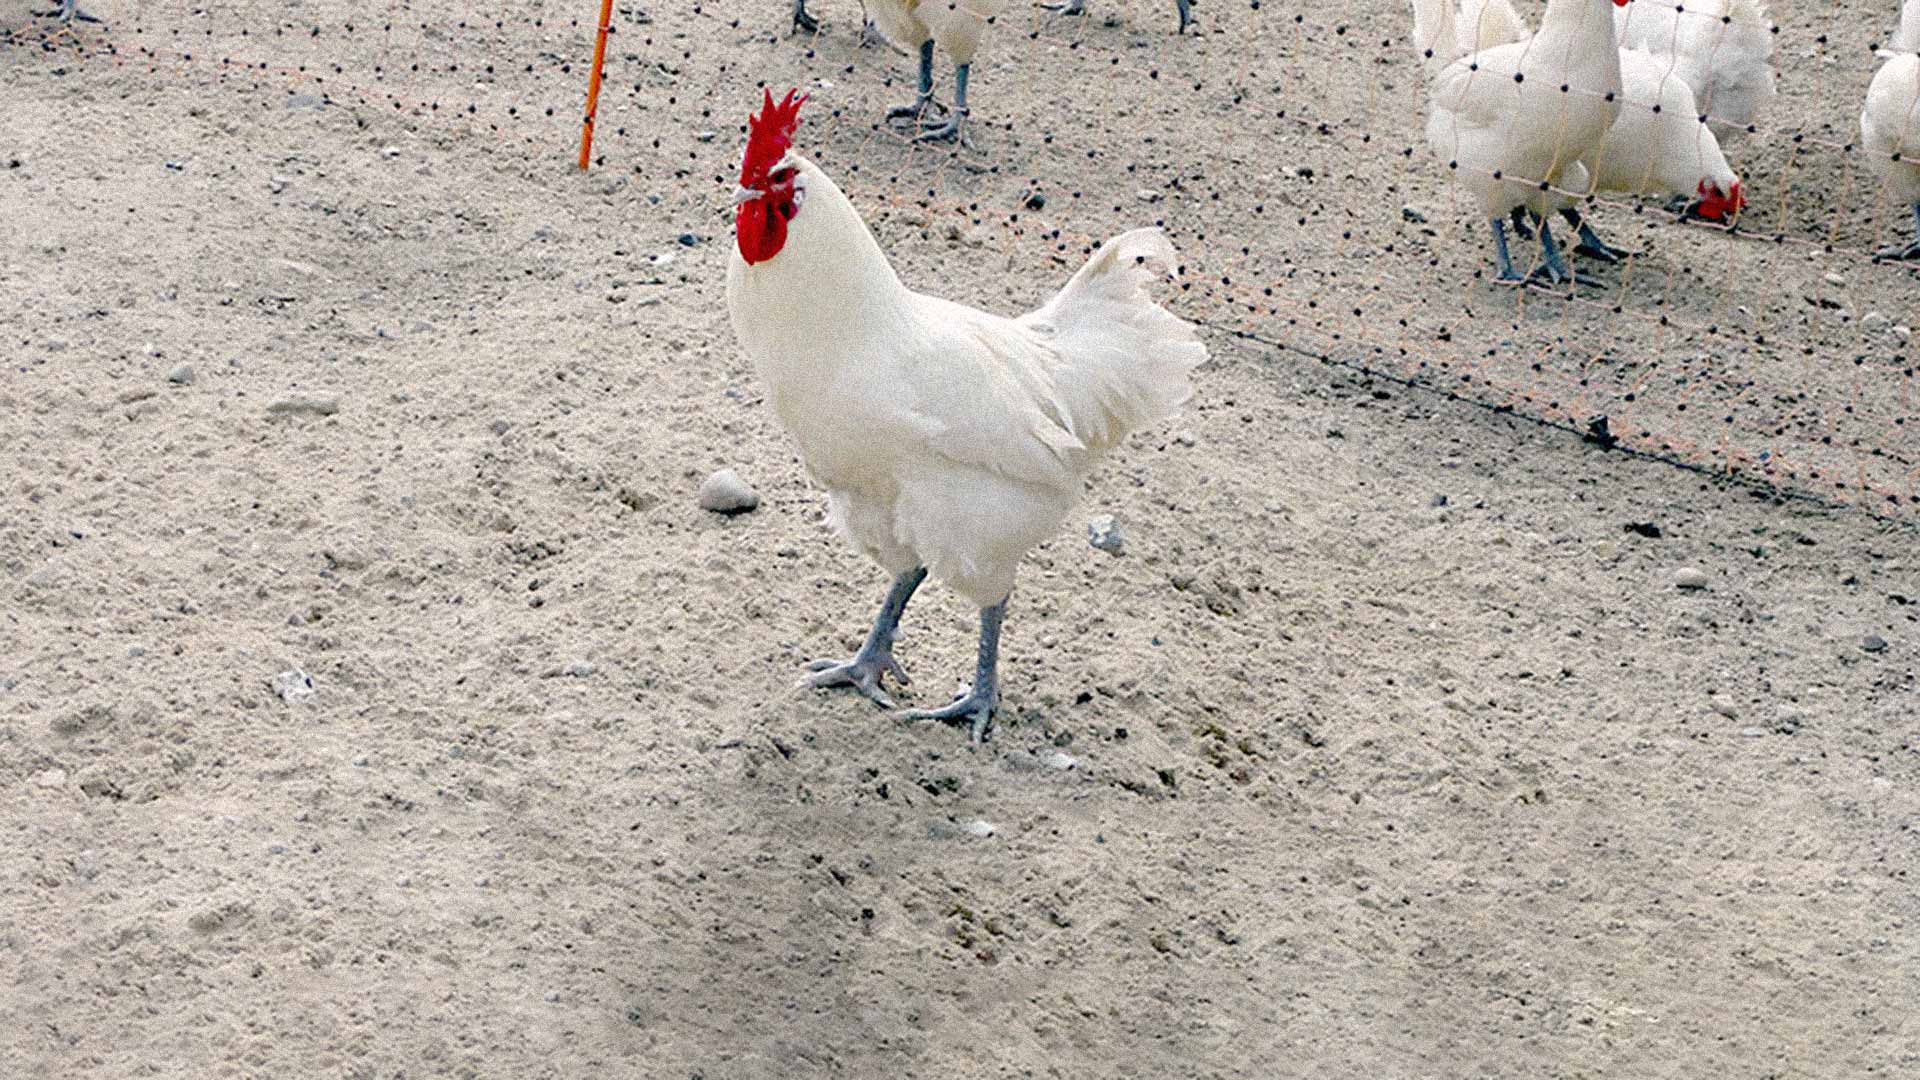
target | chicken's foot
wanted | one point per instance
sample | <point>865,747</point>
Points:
<point>68,12</point>
<point>875,659</point>
<point>1555,271</point>
<point>803,22</point>
<point>977,703</point>
<point>1507,275</point>
<point>1907,251</point>
<point>919,108</point>
<point>1591,245</point>
<point>1067,7</point>
<point>952,129</point>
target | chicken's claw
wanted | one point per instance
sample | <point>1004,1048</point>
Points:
<point>68,12</point>
<point>953,130</point>
<point>970,705</point>
<point>1898,253</point>
<point>864,673</point>
<point>802,21</point>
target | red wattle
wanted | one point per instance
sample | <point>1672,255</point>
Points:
<point>759,231</point>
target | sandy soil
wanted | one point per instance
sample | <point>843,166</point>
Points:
<point>1389,748</point>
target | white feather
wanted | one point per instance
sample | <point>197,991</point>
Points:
<point>1500,119</point>
<point>1722,48</point>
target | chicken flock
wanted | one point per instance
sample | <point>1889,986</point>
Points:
<point>951,440</point>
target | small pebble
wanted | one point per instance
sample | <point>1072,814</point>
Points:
<point>725,493</point>
<point>293,685</point>
<point>1723,707</point>
<point>51,778</point>
<point>1408,213</point>
<point>978,828</point>
<point>1752,732</point>
<point>1104,534</point>
<point>181,375</point>
<point>1058,760</point>
<point>1036,201</point>
<point>1874,643</point>
<point>687,239</point>
<point>1688,577</point>
<point>311,406</point>
<point>1836,280</point>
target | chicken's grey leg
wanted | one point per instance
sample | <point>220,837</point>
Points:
<point>802,20</point>
<point>1186,15</point>
<point>1908,251</point>
<point>1522,223</point>
<point>875,658</point>
<point>1069,7</point>
<point>978,703</point>
<point>1507,275</point>
<point>68,11</point>
<point>956,117</point>
<point>1556,268</point>
<point>920,107</point>
<point>1590,243</point>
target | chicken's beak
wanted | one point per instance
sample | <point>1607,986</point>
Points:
<point>744,194</point>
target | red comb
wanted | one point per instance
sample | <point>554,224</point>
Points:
<point>769,135</point>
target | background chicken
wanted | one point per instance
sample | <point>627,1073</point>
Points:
<point>1656,146</point>
<point>1513,122</point>
<point>1722,48</point>
<point>955,26</point>
<point>949,440</point>
<point>1890,125</point>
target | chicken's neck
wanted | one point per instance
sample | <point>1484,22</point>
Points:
<point>1584,27</point>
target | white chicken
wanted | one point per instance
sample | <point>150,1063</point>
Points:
<point>1656,146</point>
<point>1890,125</point>
<point>1441,37</point>
<point>956,26</point>
<point>1513,122</point>
<point>1722,48</point>
<point>949,440</point>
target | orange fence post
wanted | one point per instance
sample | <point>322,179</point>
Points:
<point>593,81</point>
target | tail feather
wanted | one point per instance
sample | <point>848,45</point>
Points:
<point>1123,360</point>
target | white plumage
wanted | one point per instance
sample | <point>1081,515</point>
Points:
<point>947,437</point>
<point>1722,48</point>
<point>1890,125</point>
<point>1513,122</point>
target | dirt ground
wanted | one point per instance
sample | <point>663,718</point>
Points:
<point>1390,747</point>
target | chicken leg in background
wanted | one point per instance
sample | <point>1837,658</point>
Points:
<point>955,27</point>
<point>805,23</point>
<point>68,12</point>
<point>1079,7</point>
<point>949,440</point>
<point>1512,122</point>
<point>1890,126</point>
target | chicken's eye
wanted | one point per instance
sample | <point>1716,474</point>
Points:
<point>783,175</point>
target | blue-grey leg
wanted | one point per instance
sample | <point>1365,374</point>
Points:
<point>875,658</point>
<point>1907,251</point>
<point>803,21</point>
<point>978,703</point>
<point>68,11</point>
<point>1590,243</point>
<point>951,129</point>
<point>1071,7</point>
<point>1186,15</point>
<point>925,101</point>
<point>1556,267</point>
<point>1522,223</point>
<point>1507,272</point>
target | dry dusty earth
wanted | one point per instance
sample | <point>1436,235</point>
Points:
<point>1389,748</point>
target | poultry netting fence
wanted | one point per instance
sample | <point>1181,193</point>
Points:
<point>1283,146</point>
